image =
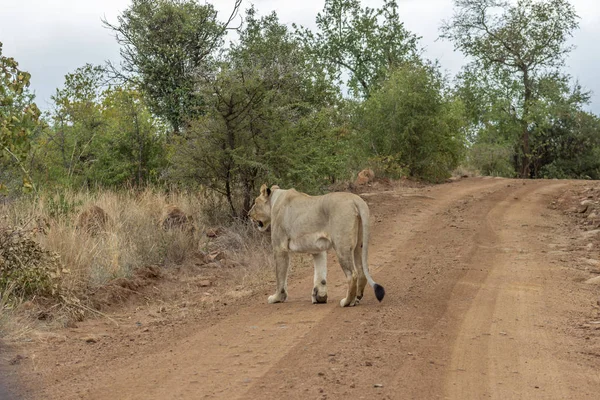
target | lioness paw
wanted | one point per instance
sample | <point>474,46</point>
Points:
<point>319,299</point>
<point>273,299</point>
<point>319,296</point>
<point>345,303</point>
<point>277,298</point>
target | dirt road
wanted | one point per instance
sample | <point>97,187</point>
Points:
<point>482,302</point>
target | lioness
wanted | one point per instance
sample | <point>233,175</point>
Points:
<point>314,224</point>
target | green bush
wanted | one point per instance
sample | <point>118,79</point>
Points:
<point>492,159</point>
<point>413,121</point>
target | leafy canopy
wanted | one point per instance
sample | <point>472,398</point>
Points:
<point>515,46</point>
<point>414,122</point>
<point>19,116</point>
<point>166,45</point>
<point>361,43</point>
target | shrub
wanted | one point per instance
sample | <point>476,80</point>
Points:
<point>25,267</point>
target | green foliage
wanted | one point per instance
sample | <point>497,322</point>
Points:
<point>390,166</point>
<point>263,99</point>
<point>100,135</point>
<point>317,151</point>
<point>70,148</point>
<point>490,105</point>
<point>515,45</point>
<point>19,118</point>
<point>133,142</point>
<point>165,46</point>
<point>563,135</point>
<point>363,43</point>
<point>269,106</point>
<point>563,139</point>
<point>570,148</point>
<point>515,36</point>
<point>492,159</point>
<point>414,123</point>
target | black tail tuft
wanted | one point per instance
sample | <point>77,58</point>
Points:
<point>379,291</point>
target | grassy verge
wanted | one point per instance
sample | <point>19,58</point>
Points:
<point>132,238</point>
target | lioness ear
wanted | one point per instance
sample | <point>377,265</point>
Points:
<point>272,189</point>
<point>263,190</point>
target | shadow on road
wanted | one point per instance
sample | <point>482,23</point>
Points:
<point>5,393</point>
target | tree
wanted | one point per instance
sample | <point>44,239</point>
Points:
<point>132,144</point>
<point>575,152</point>
<point>19,116</point>
<point>165,46</point>
<point>493,123</point>
<point>414,122</point>
<point>522,41</point>
<point>100,135</point>
<point>363,43</point>
<point>566,139</point>
<point>264,93</point>
<point>71,146</point>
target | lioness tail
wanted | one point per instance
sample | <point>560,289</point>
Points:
<point>379,291</point>
<point>363,210</point>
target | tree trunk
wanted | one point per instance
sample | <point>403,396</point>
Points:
<point>525,159</point>
<point>140,143</point>
<point>229,194</point>
<point>248,185</point>
<point>525,162</point>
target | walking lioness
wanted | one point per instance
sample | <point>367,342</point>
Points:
<point>313,224</point>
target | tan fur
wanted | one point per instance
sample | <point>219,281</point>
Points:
<point>315,224</point>
<point>92,220</point>
<point>365,176</point>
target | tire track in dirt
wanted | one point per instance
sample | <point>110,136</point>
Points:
<point>4,393</point>
<point>504,348</point>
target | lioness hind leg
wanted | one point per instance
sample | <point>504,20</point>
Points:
<point>282,262</point>
<point>362,279</point>
<point>319,293</point>
<point>347,264</point>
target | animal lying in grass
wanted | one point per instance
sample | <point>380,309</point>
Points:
<point>314,224</point>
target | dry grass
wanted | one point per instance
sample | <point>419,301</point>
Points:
<point>248,248</point>
<point>12,324</point>
<point>133,237</point>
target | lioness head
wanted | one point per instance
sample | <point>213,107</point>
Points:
<point>261,210</point>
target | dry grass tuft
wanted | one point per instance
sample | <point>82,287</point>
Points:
<point>248,248</point>
<point>12,324</point>
<point>92,220</point>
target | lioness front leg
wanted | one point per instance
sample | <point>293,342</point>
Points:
<point>282,262</point>
<point>319,293</point>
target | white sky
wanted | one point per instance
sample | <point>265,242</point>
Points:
<point>50,38</point>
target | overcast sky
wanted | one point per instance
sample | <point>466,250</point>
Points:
<point>50,38</point>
